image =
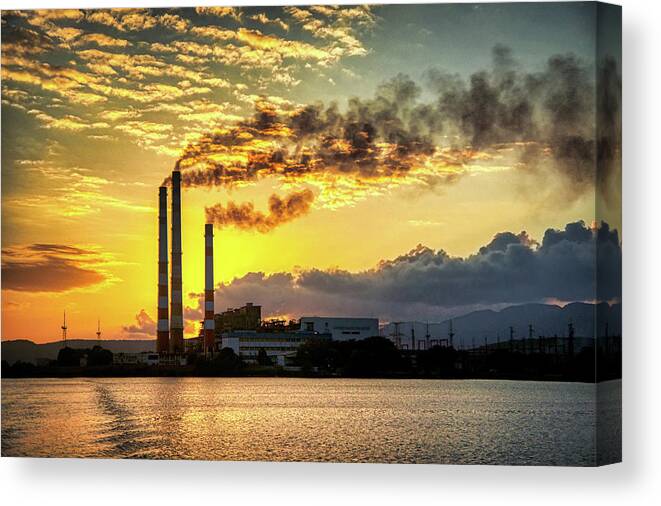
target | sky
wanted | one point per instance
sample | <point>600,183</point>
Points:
<point>401,162</point>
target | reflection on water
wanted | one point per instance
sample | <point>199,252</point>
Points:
<point>345,420</point>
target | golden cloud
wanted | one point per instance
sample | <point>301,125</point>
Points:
<point>51,267</point>
<point>102,40</point>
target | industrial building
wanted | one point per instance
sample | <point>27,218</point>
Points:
<point>341,329</point>
<point>248,317</point>
<point>280,347</point>
<point>243,330</point>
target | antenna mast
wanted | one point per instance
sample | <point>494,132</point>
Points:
<point>64,329</point>
<point>451,334</point>
<point>511,339</point>
<point>398,336</point>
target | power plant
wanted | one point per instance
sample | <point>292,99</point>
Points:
<point>244,332</point>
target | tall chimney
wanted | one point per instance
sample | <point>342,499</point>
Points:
<point>209,324</point>
<point>163,326</point>
<point>176,302</point>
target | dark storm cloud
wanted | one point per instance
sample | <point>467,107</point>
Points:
<point>49,268</point>
<point>502,240</point>
<point>512,268</point>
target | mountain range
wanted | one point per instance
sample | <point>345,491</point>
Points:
<point>546,319</point>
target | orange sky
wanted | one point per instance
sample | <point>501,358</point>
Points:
<point>98,105</point>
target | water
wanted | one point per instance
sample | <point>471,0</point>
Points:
<point>286,419</point>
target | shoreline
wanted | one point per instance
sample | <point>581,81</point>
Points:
<point>175,373</point>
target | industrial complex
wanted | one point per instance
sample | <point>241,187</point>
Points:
<point>240,329</point>
<point>277,342</point>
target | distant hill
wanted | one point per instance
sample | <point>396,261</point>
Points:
<point>546,319</point>
<point>27,351</point>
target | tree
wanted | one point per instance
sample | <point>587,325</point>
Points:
<point>375,356</point>
<point>68,357</point>
<point>227,360</point>
<point>99,356</point>
<point>263,358</point>
<point>223,363</point>
<point>438,361</point>
<point>318,353</point>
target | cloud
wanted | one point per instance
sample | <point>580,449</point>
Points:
<point>424,283</point>
<point>73,192</point>
<point>20,40</point>
<point>144,326</point>
<point>68,122</point>
<point>136,20</point>
<point>245,217</point>
<point>180,66</point>
<point>50,268</point>
<point>221,12</point>
<point>340,25</point>
<point>265,20</point>
<point>102,40</point>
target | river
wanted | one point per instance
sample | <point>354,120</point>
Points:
<point>293,419</point>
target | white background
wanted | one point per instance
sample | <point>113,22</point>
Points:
<point>636,481</point>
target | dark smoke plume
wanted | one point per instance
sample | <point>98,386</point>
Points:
<point>244,216</point>
<point>546,118</point>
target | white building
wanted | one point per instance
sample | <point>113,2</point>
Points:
<point>341,329</point>
<point>280,347</point>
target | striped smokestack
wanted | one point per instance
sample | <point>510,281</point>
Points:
<point>163,326</point>
<point>209,325</point>
<point>176,309</point>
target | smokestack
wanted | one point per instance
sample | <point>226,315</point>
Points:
<point>209,325</point>
<point>176,301</point>
<point>163,326</point>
